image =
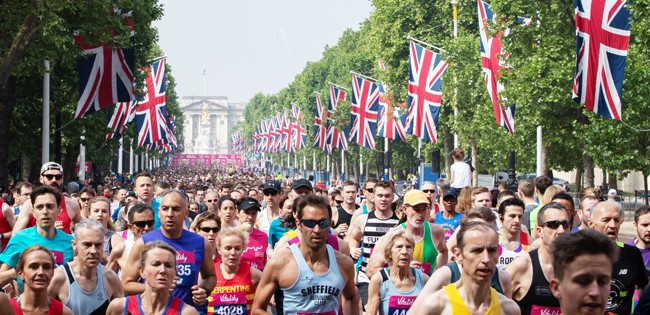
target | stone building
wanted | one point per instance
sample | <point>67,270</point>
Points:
<point>208,122</point>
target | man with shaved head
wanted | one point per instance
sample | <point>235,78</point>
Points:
<point>629,272</point>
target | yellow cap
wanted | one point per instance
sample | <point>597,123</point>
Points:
<point>415,197</point>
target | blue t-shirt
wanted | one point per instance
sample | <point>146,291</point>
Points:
<point>190,253</point>
<point>276,231</point>
<point>449,225</point>
<point>60,245</point>
<point>154,205</point>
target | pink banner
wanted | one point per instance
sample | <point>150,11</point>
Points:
<point>206,159</point>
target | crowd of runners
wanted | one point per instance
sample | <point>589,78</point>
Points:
<point>237,241</point>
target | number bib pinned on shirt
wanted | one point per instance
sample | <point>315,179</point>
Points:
<point>185,268</point>
<point>228,304</point>
<point>399,305</point>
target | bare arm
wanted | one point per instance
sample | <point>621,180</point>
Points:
<point>130,274</point>
<point>377,259</point>
<point>343,247</point>
<point>5,305</point>
<point>116,307</point>
<point>23,217</point>
<point>74,210</point>
<point>438,234</point>
<point>355,233</point>
<point>451,175</point>
<point>58,288</point>
<point>116,256</point>
<point>506,283</point>
<point>518,270</point>
<point>7,274</point>
<point>268,284</point>
<point>374,295</point>
<point>67,311</point>
<point>441,277</point>
<point>256,276</point>
<point>351,302</point>
<point>434,304</point>
<point>114,282</point>
<point>208,276</point>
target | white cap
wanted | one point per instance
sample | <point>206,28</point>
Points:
<point>611,192</point>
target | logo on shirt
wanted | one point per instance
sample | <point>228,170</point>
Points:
<point>185,257</point>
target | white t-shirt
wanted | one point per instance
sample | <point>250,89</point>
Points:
<point>462,175</point>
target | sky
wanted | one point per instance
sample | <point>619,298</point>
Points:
<point>249,46</point>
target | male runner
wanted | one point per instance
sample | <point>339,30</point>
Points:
<point>194,254</point>
<point>51,175</point>
<point>84,285</point>
<point>314,278</point>
<point>477,253</point>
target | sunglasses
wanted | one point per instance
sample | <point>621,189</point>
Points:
<point>52,176</point>
<point>207,229</point>
<point>143,224</point>
<point>212,200</point>
<point>324,223</point>
<point>339,201</point>
<point>84,199</point>
<point>270,193</point>
<point>370,190</point>
<point>428,191</point>
<point>555,224</point>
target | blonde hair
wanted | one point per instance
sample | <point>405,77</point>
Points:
<point>549,193</point>
<point>109,223</point>
<point>238,232</point>
<point>393,237</point>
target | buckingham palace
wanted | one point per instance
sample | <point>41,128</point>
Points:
<point>208,122</point>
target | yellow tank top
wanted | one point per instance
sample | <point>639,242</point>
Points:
<point>458,307</point>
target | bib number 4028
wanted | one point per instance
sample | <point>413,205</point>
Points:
<point>231,310</point>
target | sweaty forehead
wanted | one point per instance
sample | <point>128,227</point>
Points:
<point>428,186</point>
<point>555,214</point>
<point>313,213</point>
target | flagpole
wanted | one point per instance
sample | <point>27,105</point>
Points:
<point>539,151</point>
<point>327,178</point>
<point>360,179</point>
<point>120,158</point>
<point>455,5</point>
<point>342,164</point>
<point>409,37</point>
<point>313,164</point>
<point>82,161</point>
<point>45,131</point>
<point>364,76</point>
<point>387,168</point>
<point>420,168</point>
<point>131,157</point>
<point>340,87</point>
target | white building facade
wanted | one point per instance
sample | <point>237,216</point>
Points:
<point>208,123</point>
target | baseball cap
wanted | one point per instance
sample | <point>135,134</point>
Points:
<point>51,166</point>
<point>321,186</point>
<point>612,192</point>
<point>249,204</point>
<point>272,184</point>
<point>415,197</point>
<point>301,183</point>
<point>449,194</point>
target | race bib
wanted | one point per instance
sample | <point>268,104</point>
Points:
<point>448,233</point>
<point>399,305</point>
<point>185,268</point>
<point>543,310</point>
<point>228,304</point>
<point>425,268</point>
<point>59,257</point>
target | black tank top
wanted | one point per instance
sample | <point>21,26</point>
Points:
<point>344,217</point>
<point>539,296</point>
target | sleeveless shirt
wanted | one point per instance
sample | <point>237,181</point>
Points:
<point>4,226</point>
<point>455,276</point>
<point>82,302</point>
<point>375,228</point>
<point>314,293</point>
<point>332,240</point>
<point>458,307</point>
<point>394,301</point>
<point>538,299</point>
<point>133,306</point>
<point>424,250</point>
<point>56,307</point>
<point>190,253</point>
<point>449,225</point>
<point>232,296</point>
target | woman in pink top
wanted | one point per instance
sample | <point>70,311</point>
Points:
<point>255,251</point>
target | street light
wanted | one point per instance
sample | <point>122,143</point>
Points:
<point>454,3</point>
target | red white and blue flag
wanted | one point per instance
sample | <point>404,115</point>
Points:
<point>320,126</point>
<point>602,39</point>
<point>123,114</point>
<point>390,120</point>
<point>363,116</point>
<point>151,116</point>
<point>105,75</point>
<point>335,137</point>
<point>424,92</point>
<point>492,60</point>
<point>297,114</point>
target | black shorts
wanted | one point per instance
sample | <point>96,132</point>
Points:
<point>362,288</point>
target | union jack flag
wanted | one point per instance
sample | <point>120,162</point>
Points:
<point>151,115</point>
<point>491,49</point>
<point>123,114</point>
<point>363,116</point>
<point>390,124</point>
<point>335,137</point>
<point>105,75</point>
<point>320,129</point>
<point>424,92</point>
<point>602,39</point>
<point>287,125</point>
<point>298,134</point>
<point>297,114</point>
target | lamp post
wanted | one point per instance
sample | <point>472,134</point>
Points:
<point>454,3</point>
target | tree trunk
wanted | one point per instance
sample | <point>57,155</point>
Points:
<point>612,180</point>
<point>474,162</point>
<point>645,188</point>
<point>588,164</point>
<point>70,162</point>
<point>578,180</point>
<point>448,147</point>
<point>26,166</point>
<point>7,102</point>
